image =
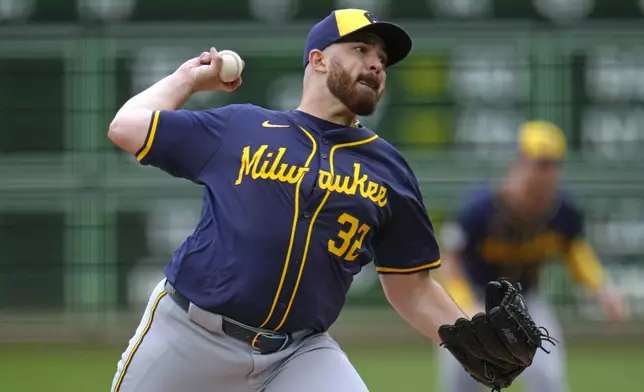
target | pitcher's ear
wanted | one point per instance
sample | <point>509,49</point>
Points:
<point>318,61</point>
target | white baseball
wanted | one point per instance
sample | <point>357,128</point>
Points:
<point>231,66</point>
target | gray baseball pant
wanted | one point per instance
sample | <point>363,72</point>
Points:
<point>175,351</point>
<point>547,373</point>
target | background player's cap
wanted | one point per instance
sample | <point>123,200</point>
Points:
<point>542,140</point>
<point>341,23</point>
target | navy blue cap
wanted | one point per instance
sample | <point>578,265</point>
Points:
<point>341,23</point>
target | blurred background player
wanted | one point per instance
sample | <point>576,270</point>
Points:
<point>511,230</point>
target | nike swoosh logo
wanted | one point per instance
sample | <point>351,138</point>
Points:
<point>267,124</point>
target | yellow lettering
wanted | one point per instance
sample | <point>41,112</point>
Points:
<point>288,177</point>
<point>272,172</point>
<point>248,164</point>
<point>344,187</point>
<point>251,166</point>
<point>266,165</point>
<point>325,181</point>
<point>263,171</point>
<point>372,188</point>
<point>538,249</point>
<point>358,181</point>
<point>382,197</point>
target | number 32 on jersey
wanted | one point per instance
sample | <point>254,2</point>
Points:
<point>351,236</point>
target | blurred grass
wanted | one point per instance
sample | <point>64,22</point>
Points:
<point>90,368</point>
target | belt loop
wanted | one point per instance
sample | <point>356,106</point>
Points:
<point>207,320</point>
<point>169,287</point>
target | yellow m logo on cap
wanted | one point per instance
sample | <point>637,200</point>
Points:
<point>350,20</point>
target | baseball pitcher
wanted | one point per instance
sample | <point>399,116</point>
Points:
<point>295,203</point>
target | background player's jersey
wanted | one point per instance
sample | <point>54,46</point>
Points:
<point>491,243</point>
<point>293,207</point>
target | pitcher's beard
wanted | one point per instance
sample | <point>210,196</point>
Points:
<point>359,99</point>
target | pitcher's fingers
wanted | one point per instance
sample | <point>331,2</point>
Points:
<point>215,60</point>
<point>204,58</point>
<point>231,86</point>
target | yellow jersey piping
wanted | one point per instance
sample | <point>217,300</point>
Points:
<point>293,230</point>
<point>433,264</point>
<point>151,134</point>
<point>313,219</point>
<point>138,343</point>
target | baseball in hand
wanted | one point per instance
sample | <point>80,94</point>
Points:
<point>231,66</point>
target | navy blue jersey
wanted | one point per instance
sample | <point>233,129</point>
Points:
<point>494,244</point>
<point>293,207</point>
